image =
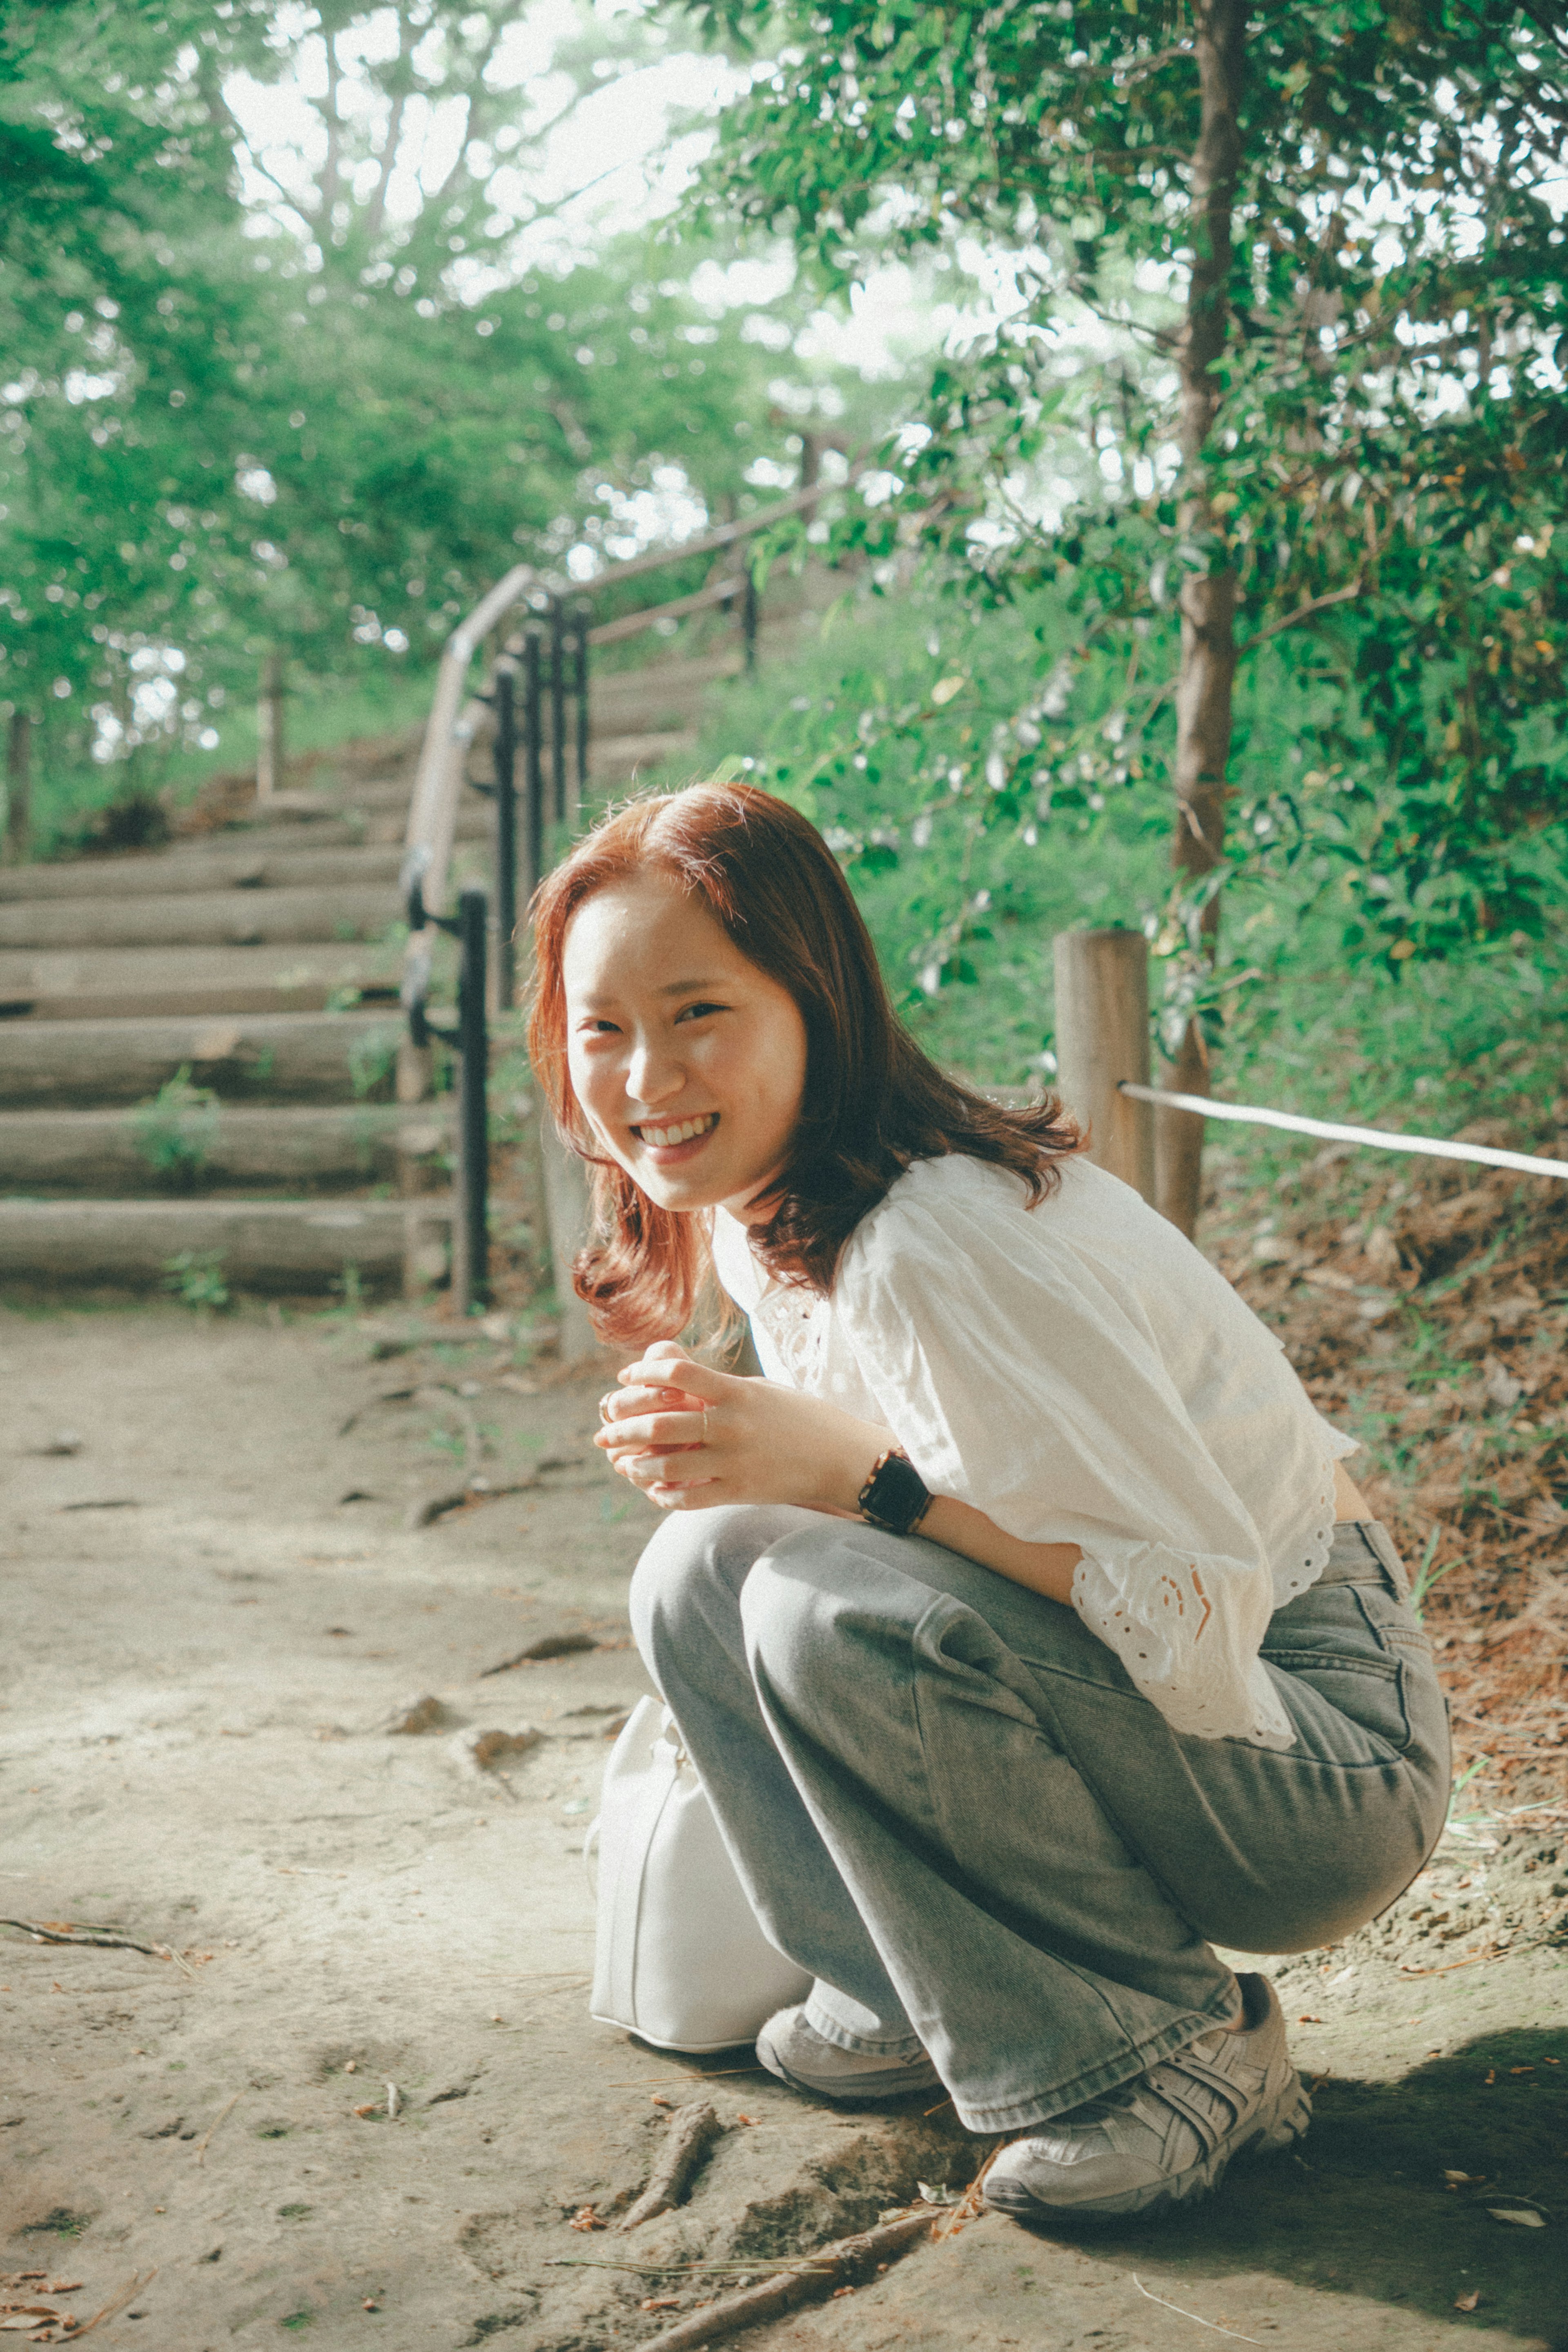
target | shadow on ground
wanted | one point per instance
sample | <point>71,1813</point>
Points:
<point>1364,2207</point>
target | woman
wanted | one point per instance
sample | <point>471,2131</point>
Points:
<point>1025,1631</point>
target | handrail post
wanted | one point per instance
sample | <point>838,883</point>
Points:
<point>749,617</point>
<point>557,708</point>
<point>533,772</point>
<point>471,1253</point>
<point>269,724</point>
<point>1101,1038</point>
<point>14,835</point>
<point>580,666</point>
<point>505,836</point>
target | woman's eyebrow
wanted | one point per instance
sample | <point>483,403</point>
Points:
<point>689,987</point>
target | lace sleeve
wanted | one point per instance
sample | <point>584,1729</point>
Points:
<point>1187,1630</point>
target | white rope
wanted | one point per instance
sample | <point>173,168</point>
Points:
<point>1379,1137</point>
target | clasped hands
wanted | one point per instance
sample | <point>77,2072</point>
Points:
<point>690,1438</point>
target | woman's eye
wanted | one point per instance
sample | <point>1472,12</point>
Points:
<point>697,1011</point>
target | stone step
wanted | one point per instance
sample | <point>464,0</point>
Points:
<point>273,1057</point>
<point>157,1150</point>
<point>277,1246</point>
<point>223,865</point>
<point>202,918</point>
<point>121,984</point>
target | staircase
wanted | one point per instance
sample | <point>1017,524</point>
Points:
<point>199,1044</point>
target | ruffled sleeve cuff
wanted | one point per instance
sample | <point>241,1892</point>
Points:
<point>1158,1611</point>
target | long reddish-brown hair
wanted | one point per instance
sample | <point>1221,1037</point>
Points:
<point>873,1101</point>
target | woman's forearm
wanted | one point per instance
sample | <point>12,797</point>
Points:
<point>1045,1569</point>
<point>845,1465</point>
<point>692,1437</point>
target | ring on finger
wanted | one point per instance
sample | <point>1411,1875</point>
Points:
<point>607,1400</point>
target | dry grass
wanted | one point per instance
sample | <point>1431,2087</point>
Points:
<point>1424,1305</point>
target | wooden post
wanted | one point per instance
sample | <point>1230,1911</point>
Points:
<point>1103,1037</point>
<point>18,789</point>
<point>269,753</point>
<point>567,1216</point>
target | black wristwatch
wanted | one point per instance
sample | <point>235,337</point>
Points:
<point>895,1496</point>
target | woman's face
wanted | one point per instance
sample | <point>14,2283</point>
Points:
<point>687,1061</point>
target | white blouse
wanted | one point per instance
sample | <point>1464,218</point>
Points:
<point>1082,1374</point>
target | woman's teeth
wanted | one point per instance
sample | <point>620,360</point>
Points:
<point>661,1137</point>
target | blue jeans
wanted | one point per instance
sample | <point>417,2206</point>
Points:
<point>949,1804</point>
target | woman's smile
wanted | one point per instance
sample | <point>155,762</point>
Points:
<point>673,1142</point>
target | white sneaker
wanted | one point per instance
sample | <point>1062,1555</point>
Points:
<point>1168,2136</point>
<point>798,2053</point>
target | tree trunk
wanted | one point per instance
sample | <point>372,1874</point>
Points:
<point>1208,599</point>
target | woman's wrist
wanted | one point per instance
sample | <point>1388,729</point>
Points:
<point>853,1460</point>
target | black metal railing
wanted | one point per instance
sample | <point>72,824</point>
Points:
<point>541,668</point>
<point>470,1039</point>
<point>548,662</point>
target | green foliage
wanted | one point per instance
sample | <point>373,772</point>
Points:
<point>372,1059</point>
<point>196,1279</point>
<point>1385,472</point>
<point>1426,1042</point>
<point>176,1131</point>
<point>238,415</point>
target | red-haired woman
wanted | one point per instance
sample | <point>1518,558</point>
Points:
<point>1025,1631</point>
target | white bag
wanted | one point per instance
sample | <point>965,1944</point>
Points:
<point>678,1957</point>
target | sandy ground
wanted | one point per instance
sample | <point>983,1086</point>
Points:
<point>204,1644</point>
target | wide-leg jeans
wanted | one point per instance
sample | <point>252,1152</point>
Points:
<point>948,1803</point>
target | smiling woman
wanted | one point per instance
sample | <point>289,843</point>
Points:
<point>1023,1624</point>
<point>692,1084</point>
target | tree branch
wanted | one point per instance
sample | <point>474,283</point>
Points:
<point>1303,612</point>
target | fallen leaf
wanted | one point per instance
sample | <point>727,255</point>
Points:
<point>1500,1386</point>
<point>1516,2213</point>
<point>585,2218</point>
<point>1470,2301</point>
<point>372,2109</point>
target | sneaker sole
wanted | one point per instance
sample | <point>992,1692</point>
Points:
<point>867,2090</point>
<point>1278,2125</point>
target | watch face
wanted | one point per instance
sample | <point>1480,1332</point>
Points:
<point>896,1496</point>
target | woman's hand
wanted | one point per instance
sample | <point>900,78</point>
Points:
<point>691,1437</point>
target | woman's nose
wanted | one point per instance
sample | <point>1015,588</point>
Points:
<point>653,1074</point>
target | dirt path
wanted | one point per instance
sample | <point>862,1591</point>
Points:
<point>205,1640</point>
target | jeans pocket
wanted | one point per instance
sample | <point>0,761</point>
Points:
<point>1346,1643</point>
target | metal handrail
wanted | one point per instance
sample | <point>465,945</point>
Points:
<point>454,715</point>
<point>433,817</point>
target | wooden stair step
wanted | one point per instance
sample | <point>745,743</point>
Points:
<point>278,1245</point>
<point>276,1056</point>
<point>120,1154</point>
<point>121,983</point>
<point>624,755</point>
<point>237,865</point>
<point>202,918</point>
